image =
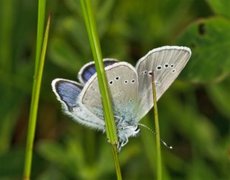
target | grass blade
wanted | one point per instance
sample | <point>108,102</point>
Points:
<point>157,130</point>
<point>102,80</point>
<point>40,31</point>
<point>34,105</point>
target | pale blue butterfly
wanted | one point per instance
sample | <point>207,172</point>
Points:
<point>130,88</point>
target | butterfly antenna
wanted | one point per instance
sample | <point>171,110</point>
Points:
<point>163,142</point>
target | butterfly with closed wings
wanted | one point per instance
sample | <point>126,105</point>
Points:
<point>130,88</point>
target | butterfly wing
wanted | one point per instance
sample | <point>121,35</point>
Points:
<point>67,93</point>
<point>88,70</point>
<point>165,64</point>
<point>123,83</point>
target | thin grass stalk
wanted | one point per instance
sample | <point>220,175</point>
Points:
<point>116,162</point>
<point>34,106</point>
<point>102,80</point>
<point>96,50</point>
<point>40,31</point>
<point>157,130</point>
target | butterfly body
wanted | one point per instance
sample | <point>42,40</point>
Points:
<point>130,89</point>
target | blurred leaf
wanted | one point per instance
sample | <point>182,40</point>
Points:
<point>197,131</point>
<point>9,112</point>
<point>11,164</point>
<point>153,22</point>
<point>220,7</point>
<point>6,10</point>
<point>220,96</point>
<point>57,155</point>
<point>73,31</point>
<point>51,173</point>
<point>185,118</point>
<point>199,171</point>
<point>64,55</point>
<point>71,159</point>
<point>70,47</point>
<point>209,40</point>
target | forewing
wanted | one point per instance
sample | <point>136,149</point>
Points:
<point>89,69</point>
<point>67,93</point>
<point>163,65</point>
<point>123,86</point>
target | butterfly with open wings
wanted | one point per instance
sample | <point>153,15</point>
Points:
<point>130,88</point>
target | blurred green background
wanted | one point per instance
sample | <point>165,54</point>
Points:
<point>194,113</point>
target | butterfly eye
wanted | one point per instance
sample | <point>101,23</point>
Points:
<point>111,82</point>
<point>133,81</point>
<point>144,72</point>
<point>126,81</point>
<point>166,65</point>
<point>159,67</point>
<point>172,65</point>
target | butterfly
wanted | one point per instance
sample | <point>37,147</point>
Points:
<point>130,88</point>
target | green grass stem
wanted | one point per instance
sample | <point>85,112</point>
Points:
<point>34,105</point>
<point>116,162</point>
<point>157,130</point>
<point>40,31</point>
<point>102,80</point>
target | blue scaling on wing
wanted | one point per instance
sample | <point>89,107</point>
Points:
<point>108,62</point>
<point>88,70</point>
<point>68,92</point>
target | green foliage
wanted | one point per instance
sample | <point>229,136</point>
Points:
<point>205,36</point>
<point>220,7</point>
<point>194,113</point>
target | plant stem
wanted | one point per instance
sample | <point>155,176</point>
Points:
<point>157,130</point>
<point>102,80</point>
<point>116,162</point>
<point>40,31</point>
<point>34,106</point>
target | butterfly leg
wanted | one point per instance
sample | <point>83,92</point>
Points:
<point>122,142</point>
